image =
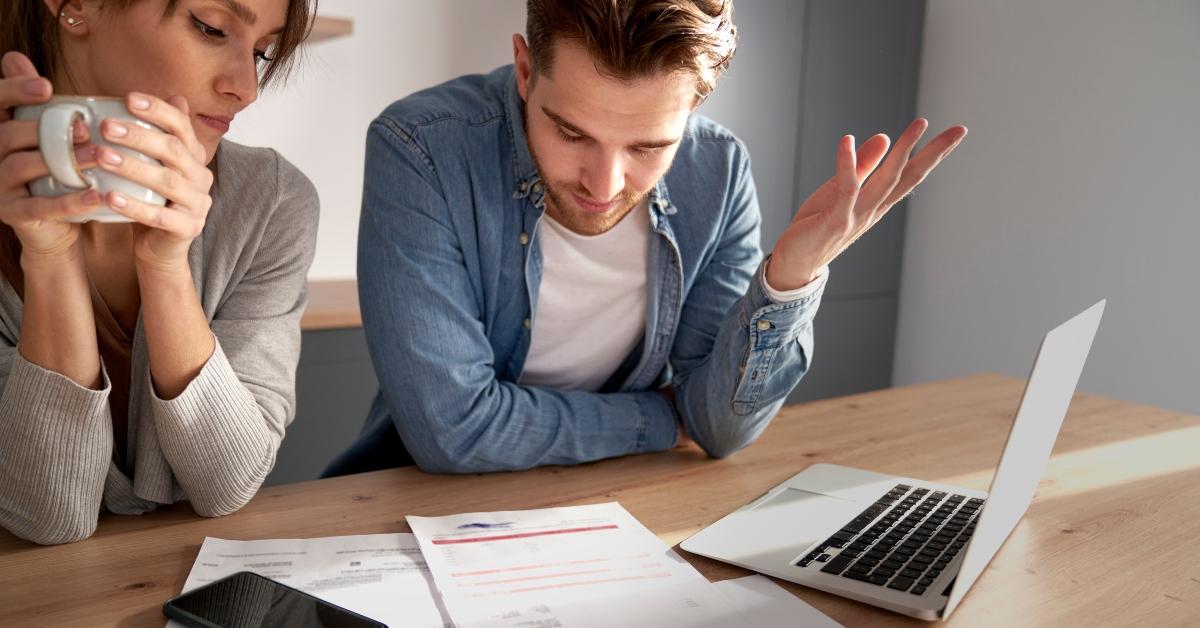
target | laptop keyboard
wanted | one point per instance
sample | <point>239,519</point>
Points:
<point>920,532</point>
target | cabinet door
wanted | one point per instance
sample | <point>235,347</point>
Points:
<point>335,384</point>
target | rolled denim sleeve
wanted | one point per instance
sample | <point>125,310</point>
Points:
<point>739,352</point>
<point>427,338</point>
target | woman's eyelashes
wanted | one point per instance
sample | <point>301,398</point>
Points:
<point>214,35</point>
<point>210,33</point>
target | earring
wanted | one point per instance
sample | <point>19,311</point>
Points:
<point>71,21</point>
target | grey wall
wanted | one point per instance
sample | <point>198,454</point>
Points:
<point>806,73</point>
<point>1077,181</point>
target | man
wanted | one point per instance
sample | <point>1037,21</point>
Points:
<point>559,262</point>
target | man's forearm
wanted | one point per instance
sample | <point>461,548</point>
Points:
<point>762,349</point>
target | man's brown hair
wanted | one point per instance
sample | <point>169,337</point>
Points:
<point>631,39</point>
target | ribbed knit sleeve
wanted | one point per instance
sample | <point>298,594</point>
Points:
<point>221,434</point>
<point>56,444</point>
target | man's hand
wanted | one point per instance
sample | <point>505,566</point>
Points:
<point>843,208</point>
<point>682,440</point>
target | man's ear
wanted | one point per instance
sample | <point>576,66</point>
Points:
<point>523,64</point>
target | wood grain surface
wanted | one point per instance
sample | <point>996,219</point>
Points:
<point>1110,541</point>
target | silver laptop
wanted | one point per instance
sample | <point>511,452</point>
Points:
<point>907,545</point>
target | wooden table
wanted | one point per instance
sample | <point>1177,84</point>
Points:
<point>1111,539</point>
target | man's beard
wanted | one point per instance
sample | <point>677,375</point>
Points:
<point>563,209</point>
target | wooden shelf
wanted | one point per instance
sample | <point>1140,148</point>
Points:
<point>325,28</point>
<point>332,304</point>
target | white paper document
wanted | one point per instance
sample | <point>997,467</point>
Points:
<point>750,602</point>
<point>577,567</point>
<point>382,576</point>
<point>498,565</point>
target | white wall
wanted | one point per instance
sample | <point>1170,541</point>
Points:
<point>1078,181</point>
<point>319,119</point>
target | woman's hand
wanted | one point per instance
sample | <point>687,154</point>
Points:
<point>38,222</point>
<point>162,235</point>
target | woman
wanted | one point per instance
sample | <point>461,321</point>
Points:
<point>148,362</point>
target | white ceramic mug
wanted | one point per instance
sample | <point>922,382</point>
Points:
<point>55,120</point>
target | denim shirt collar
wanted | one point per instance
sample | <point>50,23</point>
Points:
<point>526,179</point>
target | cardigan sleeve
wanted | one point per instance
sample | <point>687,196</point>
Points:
<point>221,434</point>
<point>56,444</point>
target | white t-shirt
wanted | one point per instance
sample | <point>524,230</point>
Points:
<point>591,310</point>
<point>592,303</point>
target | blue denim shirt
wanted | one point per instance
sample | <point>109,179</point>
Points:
<point>449,268</point>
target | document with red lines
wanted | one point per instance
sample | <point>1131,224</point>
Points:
<point>517,567</point>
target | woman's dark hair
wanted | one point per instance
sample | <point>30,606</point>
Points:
<point>31,28</point>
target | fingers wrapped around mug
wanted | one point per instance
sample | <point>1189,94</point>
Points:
<point>20,84</point>
<point>183,223</point>
<point>18,168</point>
<point>184,149</point>
<point>183,178</point>
<point>39,209</point>
<point>187,187</point>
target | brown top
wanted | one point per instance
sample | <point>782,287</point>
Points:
<point>116,350</point>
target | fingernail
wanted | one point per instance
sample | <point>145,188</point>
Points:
<point>91,197</point>
<point>111,156</point>
<point>137,101</point>
<point>116,199</point>
<point>116,129</point>
<point>37,87</point>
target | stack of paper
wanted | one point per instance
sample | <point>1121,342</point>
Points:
<point>595,563</point>
<point>382,576</point>
<point>586,566</point>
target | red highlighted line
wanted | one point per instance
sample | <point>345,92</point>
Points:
<point>522,535</point>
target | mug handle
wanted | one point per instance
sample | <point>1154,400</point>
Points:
<point>56,145</point>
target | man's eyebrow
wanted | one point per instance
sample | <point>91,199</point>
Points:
<point>645,145</point>
<point>561,121</point>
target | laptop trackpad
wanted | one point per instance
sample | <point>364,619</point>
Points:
<point>796,519</point>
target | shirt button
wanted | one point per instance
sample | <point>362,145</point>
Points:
<point>524,186</point>
<point>524,238</point>
<point>763,325</point>
<point>537,187</point>
<point>528,324</point>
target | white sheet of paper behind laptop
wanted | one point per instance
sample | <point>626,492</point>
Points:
<point>764,604</point>
<point>382,576</point>
<point>488,566</point>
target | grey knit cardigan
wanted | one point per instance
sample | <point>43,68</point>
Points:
<point>214,443</point>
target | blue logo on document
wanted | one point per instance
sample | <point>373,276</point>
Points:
<point>485,526</point>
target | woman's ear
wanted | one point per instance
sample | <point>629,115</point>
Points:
<point>71,15</point>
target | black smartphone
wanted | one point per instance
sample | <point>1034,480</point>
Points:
<point>248,600</point>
